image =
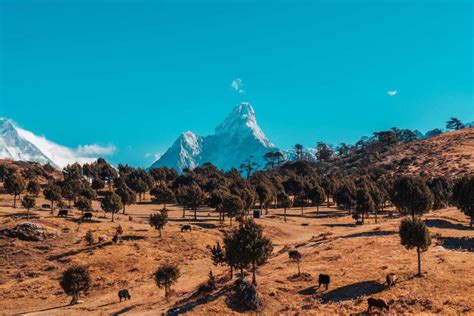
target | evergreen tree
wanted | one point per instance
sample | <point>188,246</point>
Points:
<point>323,152</point>
<point>83,204</point>
<point>465,197</point>
<point>329,185</point>
<point>97,184</point>
<point>345,195</point>
<point>159,220</point>
<point>52,193</point>
<point>285,202</point>
<point>264,194</point>
<point>317,195</point>
<point>166,275</point>
<point>219,257</point>
<point>192,197</point>
<point>162,194</point>
<point>111,203</point>
<point>33,188</point>
<point>75,281</point>
<point>246,246</point>
<point>249,166</point>
<point>364,203</point>
<point>28,202</point>
<point>299,151</point>
<point>295,256</point>
<point>232,206</point>
<point>415,234</point>
<point>89,238</point>
<point>15,185</point>
<point>127,195</point>
<point>441,188</point>
<point>411,195</point>
<point>454,123</point>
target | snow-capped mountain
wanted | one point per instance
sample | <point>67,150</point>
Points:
<point>15,147</point>
<point>236,139</point>
<point>19,144</point>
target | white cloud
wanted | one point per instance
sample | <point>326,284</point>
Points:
<point>62,155</point>
<point>392,92</point>
<point>237,85</point>
<point>94,149</point>
<point>158,155</point>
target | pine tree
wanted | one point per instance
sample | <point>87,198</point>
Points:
<point>415,234</point>
<point>166,275</point>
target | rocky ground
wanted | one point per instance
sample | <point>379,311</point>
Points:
<point>357,258</point>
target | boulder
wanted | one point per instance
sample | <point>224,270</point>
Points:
<point>246,295</point>
<point>30,232</point>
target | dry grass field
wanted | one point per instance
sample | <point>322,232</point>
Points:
<point>449,154</point>
<point>357,258</point>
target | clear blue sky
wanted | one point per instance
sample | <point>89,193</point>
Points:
<point>137,73</point>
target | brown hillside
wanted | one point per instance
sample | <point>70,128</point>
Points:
<point>356,257</point>
<point>449,154</point>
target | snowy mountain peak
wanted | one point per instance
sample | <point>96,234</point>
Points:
<point>19,144</point>
<point>6,125</point>
<point>242,121</point>
<point>234,141</point>
<point>190,141</point>
<point>241,116</point>
<point>15,147</point>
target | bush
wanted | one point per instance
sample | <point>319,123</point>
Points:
<point>159,220</point>
<point>89,238</point>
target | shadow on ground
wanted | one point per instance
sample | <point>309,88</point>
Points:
<point>458,243</point>
<point>371,234</point>
<point>188,304</point>
<point>352,291</point>
<point>440,223</point>
<point>44,310</point>
<point>339,225</point>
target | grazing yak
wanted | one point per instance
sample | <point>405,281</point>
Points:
<point>185,228</point>
<point>391,279</point>
<point>324,279</point>
<point>377,303</point>
<point>87,215</point>
<point>62,213</point>
<point>124,294</point>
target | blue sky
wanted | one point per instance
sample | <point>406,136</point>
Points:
<point>135,74</point>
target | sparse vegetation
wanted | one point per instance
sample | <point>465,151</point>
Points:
<point>357,189</point>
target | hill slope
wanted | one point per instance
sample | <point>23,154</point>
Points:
<point>356,257</point>
<point>449,154</point>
